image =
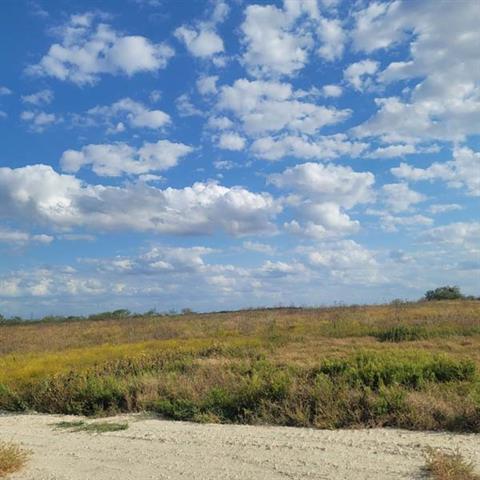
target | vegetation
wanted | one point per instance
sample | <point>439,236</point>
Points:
<point>12,458</point>
<point>448,466</point>
<point>410,365</point>
<point>444,293</point>
<point>94,427</point>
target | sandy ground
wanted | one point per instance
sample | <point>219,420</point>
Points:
<point>157,449</point>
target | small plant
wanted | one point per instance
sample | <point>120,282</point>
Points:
<point>103,427</point>
<point>448,466</point>
<point>97,427</point>
<point>74,424</point>
<point>12,458</point>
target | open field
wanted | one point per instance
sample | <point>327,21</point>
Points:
<point>154,449</point>
<point>414,366</point>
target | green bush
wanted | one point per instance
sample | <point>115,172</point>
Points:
<point>444,293</point>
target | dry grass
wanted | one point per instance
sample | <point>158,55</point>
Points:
<point>12,458</point>
<point>448,466</point>
<point>279,366</point>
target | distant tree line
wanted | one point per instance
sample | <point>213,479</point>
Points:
<point>441,293</point>
<point>121,313</point>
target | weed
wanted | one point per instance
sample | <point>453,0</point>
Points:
<point>12,458</point>
<point>448,466</point>
<point>95,427</point>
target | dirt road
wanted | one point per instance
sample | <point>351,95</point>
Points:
<point>156,449</point>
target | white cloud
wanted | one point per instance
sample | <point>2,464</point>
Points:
<point>37,194</point>
<point>42,97</point>
<point>466,234</point>
<point>38,121</point>
<point>461,172</point>
<point>320,195</point>
<point>185,107</point>
<point>5,91</point>
<point>271,106</point>
<point>126,111</point>
<point>201,43</point>
<point>231,141</point>
<point>332,91</point>
<point>345,261</point>
<point>272,44</point>
<point>398,197</point>
<point>258,247</point>
<point>443,208</point>
<point>207,85</point>
<point>113,160</point>
<point>278,41</point>
<point>88,49</point>
<point>333,38</point>
<point>393,151</point>
<point>19,238</point>
<point>442,60</point>
<point>219,123</point>
<point>390,223</point>
<point>325,148</point>
<point>359,74</point>
<point>327,183</point>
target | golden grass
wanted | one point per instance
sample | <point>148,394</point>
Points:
<point>448,466</point>
<point>256,366</point>
<point>12,458</point>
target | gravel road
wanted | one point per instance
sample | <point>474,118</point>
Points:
<point>157,449</point>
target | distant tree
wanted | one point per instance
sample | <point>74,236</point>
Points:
<point>444,293</point>
<point>187,311</point>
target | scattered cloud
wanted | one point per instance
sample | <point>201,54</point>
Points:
<point>113,160</point>
<point>89,49</point>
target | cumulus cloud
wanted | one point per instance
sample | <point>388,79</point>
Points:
<point>279,41</point>
<point>333,39</point>
<point>332,91</point>
<point>325,148</point>
<point>461,172</point>
<point>320,194</point>
<point>231,141</point>
<point>113,160</point>
<point>359,74</point>
<point>88,49</point>
<point>346,261</point>
<point>38,120</point>
<point>124,112</point>
<point>445,101</point>
<point>200,43</point>
<point>466,234</point>
<point>272,106</point>
<point>207,85</point>
<point>399,197</point>
<point>37,194</point>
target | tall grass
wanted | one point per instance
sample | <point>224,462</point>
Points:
<point>286,367</point>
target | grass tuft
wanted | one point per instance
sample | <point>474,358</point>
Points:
<point>448,466</point>
<point>12,458</point>
<point>96,427</point>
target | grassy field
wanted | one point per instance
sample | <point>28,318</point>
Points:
<point>411,365</point>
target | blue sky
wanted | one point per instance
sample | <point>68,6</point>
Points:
<point>214,155</point>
